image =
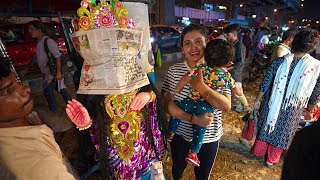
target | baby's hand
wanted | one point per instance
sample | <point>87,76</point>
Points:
<point>257,105</point>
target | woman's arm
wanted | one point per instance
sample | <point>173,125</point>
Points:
<point>267,81</point>
<point>236,90</point>
<point>315,96</point>
<point>314,103</point>
<point>257,102</point>
<point>259,97</point>
<point>171,108</point>
<point>310,113</point>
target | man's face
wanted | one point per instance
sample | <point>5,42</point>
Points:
<point>193,46</point>
<point>232,36</point>
<point>15,99</point>
<point>35,33</point>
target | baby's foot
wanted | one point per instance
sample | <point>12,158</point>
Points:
<point>193,159</point>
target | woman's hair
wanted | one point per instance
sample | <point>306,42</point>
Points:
<point>190,28</point>
<point>305,41</point>
<point>218,52</point>
<point>96,108</point>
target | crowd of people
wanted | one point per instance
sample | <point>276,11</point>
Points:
<point>195,93</point>
<point>278,119</point>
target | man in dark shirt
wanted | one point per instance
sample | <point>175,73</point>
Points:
<point>231,34</point>
<point>303,157</point>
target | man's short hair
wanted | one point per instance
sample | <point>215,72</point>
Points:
<point>4,68</point>
<point>232,28</point>
<point>289,33</point>
<point>38,25</point>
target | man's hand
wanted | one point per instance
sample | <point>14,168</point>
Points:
<point>58,76</point>
<point>257,105</point>
<point>203,120</point>
<point>58,69</point>
<point>308,116</point>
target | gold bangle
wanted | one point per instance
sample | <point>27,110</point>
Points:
<point>152,96</point>
<point>207,95</point>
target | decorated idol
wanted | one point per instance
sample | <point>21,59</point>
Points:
<point>119,104</point>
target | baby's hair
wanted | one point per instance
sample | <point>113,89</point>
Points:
<point>218,53</point>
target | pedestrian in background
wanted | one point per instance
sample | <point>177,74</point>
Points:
<point>284,47</point>
<point>231,32</point>
<point>290,84</point>
<point>247,41</point>
<point>51,82</point>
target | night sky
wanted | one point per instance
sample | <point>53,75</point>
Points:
<point>311,9</point>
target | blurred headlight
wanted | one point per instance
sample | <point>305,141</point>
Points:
<point>285,28</point>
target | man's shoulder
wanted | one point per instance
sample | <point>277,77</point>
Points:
<point>44,40</point>
<point>48,40</point>
<point>280,45</point>
<point>239,43</point>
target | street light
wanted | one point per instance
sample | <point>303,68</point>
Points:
<point>254,16</point>
<point>275,10</point>
<point>241,5</point>
<point>222,7</point>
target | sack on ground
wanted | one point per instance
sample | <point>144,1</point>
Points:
<point>250,129</point>
<point>245,118</point>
